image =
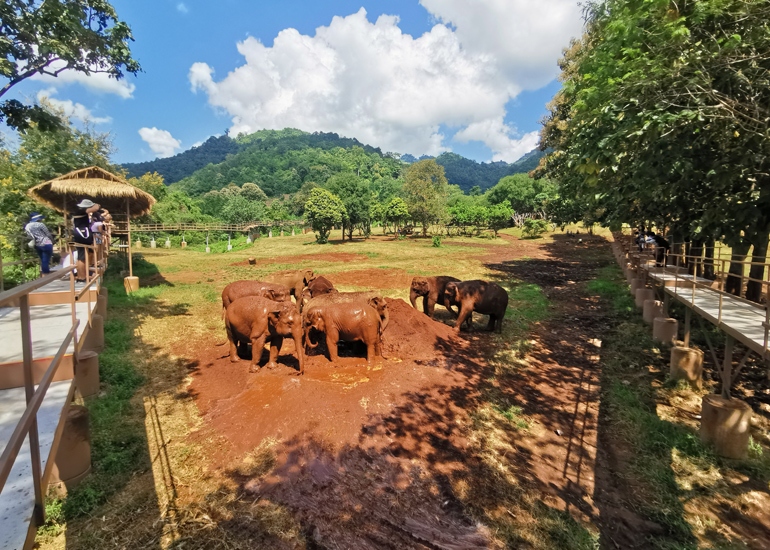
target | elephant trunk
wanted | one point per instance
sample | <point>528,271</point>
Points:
<point>308,340</point>
<point>385,320</point>
<point>297,335</point>
<point>413,298</point>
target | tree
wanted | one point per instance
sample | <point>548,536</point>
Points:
<point>177,207</point>
<point>663,119</point>
<point>396,212</point>
<point>252,192</point>
<point>425,192</point>
<point>323,210</point>
<point>356,197</point>
<point>51,36</point>
<point>238,210</point>
<point>523,193</point>
<point>150,183</point>
<point>499,216</point>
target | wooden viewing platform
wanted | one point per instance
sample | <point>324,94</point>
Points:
<point>744,321</point>
<point>44,325</point>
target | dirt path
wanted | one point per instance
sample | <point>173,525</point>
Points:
<point>389,455</point>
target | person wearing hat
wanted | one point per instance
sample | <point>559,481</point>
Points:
<point>82,234</point>
<point>42,240</point>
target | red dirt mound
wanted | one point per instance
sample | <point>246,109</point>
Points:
<point>411,334</point>
<point>341,257</point>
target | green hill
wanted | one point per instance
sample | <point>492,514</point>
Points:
<point>281,161</point>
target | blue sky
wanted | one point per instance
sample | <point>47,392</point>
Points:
<point>470,76</point>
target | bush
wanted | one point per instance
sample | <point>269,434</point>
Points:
<point>437,240</point>
<point>534,228</point>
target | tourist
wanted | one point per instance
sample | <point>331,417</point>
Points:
<point>82,234</point>
<point>42,240</point>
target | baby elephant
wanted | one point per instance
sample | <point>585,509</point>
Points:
<point>432,291</point>
<point>479,296</point>
<point>239,289</point>
<point>255,320</point>
<point>348,321</point>
<point>318,286</point>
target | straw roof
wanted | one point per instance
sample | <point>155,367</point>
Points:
<point>99,185</point>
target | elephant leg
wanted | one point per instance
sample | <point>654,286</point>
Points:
<point>492,322</point>
<point>371,352</point>
<point>500,322</point>
<point>426,305</point>
<point>233,347</point>
<point>465,313</point>
<point>332,337</point>
<point>257,347</point>
<point>449,308</point>
<point>275,348</point>
<point>430,306</point>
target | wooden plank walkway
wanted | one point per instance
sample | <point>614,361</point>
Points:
<point>742,320</point>
<point>49,326</point>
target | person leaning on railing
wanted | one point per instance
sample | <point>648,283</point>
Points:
<point>82,234</point>
<point>42,240</point>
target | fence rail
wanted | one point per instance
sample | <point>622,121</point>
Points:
<point>121,227</point>
<point>27,425</point>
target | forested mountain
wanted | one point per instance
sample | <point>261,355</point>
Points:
<point>468,173</point>
<point>214,150</point>
<point>280,162</point>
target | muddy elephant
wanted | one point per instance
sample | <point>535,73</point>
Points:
<point>373,299</point>
<point>347,321</point>
<point>479,296</point>
<point>255,320</point>
<point>432,291</point>
<point>317,286</point>
<point>295,280</point>
<point>239,289</point>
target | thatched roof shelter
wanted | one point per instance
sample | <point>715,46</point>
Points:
<point>112,192</point>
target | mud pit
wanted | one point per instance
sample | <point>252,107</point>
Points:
<point>374,456</point>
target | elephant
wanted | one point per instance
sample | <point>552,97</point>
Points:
<point>253,319</point>
<point>348,321</point>
<point>295,280</point>
<point>373,299</point>
<point>479,296</point>
<point>432,291</point>
<point>317,286</point>
<point>239,289</point>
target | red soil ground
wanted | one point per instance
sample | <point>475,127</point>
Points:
<point>367,452</point>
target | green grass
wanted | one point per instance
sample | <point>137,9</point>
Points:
<point>664,454</point>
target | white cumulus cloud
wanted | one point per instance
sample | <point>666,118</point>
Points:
<point>99,82</point>
<point>161,142</point>
<point>70,108</point>
<point>371,81</point>
<point>182,8</point>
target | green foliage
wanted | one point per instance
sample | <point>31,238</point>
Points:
<point>425,192</point>
<point>281,162</point>
<point>534,227</point>
<point>467,173</point>
<point>659,118</point>
<point>177,207</point>
<point>523,193</point>
<point>324,210</point>
<point>436,241</point>
<point>396,212</point>
<point>238,209</point>
<point>252,192</point>
<point>85,36</point>
<point>499,216</point>
<point>357,198</point>
<point>152,183</point>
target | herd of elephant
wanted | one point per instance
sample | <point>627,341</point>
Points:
<point>256,312</point>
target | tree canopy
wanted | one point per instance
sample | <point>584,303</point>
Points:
<point>52,36</point>
<point>425,192</point>
<point>664,117</point>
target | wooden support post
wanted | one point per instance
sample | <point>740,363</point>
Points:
<point>687,323</point>
<point>29,390</point>
<point>727,367</point>
<point>666,302</point>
